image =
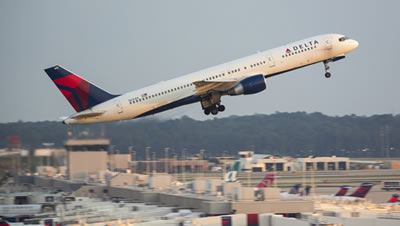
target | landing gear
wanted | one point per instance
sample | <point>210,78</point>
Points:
<point>327,73</point>
<point>211,103</point>
<point>214,109</point>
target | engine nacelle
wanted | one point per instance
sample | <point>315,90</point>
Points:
<point>251,85</point>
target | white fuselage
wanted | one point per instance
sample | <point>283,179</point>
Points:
<point>179,91</point>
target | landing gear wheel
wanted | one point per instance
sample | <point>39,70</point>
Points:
<point>214,111</point>
<point>221,108</point>
<point>327,75</point>
<point>207,111</point>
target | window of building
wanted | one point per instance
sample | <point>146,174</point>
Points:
<point>320,166</point>
<point>279,166</point>
<point>331,166</point>
<point>269,167</point>
<point>342,165</point>
<point>309,166</point>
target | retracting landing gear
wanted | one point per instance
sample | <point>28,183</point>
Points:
<point>327,73</point>
<point>212,104</point>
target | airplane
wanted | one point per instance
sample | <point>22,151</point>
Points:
<point>358,194</point>
<point>244,76</point>
<point>266,181</point>
<point>232,175</point>
<point>343,190</point>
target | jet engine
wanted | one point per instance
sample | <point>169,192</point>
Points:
<point>250,85</point>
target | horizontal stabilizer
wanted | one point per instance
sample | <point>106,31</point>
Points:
<point>87,115</point>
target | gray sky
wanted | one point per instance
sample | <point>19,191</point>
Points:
<point>126,45</point>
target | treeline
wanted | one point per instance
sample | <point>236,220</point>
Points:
<point>294,134</point>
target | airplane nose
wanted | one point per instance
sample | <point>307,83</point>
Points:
<point>354,44</point>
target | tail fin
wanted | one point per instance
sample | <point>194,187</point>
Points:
<point>232,175</point>
<point>80,93</point>
<point>295,189</point>
<point>394,198</point>
<point>363,190</point>
<point>343,190</point>
<point>267,181</point>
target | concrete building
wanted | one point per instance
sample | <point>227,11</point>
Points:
<point>171,166</point>
<point>119,161</point>
<point>262,163</point>
<point>267,163</point>
<point>323,163</point>
<point>86,157</point>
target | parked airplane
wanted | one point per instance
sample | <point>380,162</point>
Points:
<point>240,77</point>
<point>343,190</point>
<point>267,181</point>
<point>232,175</point>
<point>360,193</point>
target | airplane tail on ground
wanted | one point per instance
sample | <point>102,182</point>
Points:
<point>363,190</point>
<point>266,181</point>
<point>80,93</point>
<point>232,175</point>
<point>295,189</point>
<point>306,191</point>
<point>394,198</point>
<point>343,190</point>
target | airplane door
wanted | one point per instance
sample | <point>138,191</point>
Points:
<point>271,61</point>
<point>328,44</point>
<point>119,106</point>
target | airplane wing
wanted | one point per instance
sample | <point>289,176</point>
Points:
<point>204,87</point>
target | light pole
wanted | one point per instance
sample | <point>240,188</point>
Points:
<point>166,167</point>
<point>147,160</point>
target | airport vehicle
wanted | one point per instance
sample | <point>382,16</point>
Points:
<point>390,185</point>
<point>244,76</point>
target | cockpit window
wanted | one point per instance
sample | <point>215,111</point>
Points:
<point>342,39</point>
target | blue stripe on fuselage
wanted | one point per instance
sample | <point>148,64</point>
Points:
<point>183,101</point>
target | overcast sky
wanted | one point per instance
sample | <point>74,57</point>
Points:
<point>125,45</point>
